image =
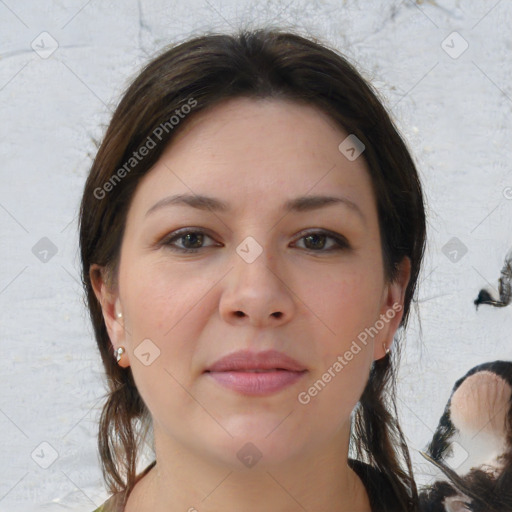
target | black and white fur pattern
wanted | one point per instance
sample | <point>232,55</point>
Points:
<point>478,420</point>
<point>487,295</point>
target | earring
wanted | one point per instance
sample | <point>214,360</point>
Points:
<point>119,315</point>
<point>386,349</point>
<point>119,353</point>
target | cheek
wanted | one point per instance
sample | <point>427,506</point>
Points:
<point>163,305</point>
<point>159,296</point>
<point>346,302</point>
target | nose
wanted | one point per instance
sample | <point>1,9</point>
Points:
<point>257,293</point>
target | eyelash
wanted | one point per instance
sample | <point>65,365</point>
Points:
<point>176,235</point>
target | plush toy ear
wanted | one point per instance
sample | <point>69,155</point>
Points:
<point>457,503</point>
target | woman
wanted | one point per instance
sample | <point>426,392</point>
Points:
<point>251,234</point>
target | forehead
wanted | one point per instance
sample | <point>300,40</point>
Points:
<point>264,152</point>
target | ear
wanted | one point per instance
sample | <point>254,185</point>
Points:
<point>392,308</point>
<point>108,297</point>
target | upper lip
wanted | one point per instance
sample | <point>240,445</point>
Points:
<point>247,360</point>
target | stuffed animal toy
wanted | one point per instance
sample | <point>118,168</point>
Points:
<point>472,445</point>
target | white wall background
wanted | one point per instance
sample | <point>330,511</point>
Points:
<point>454,112</point>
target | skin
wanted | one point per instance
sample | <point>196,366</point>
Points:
<point>198,307</point>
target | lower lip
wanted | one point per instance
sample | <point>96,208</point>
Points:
<point>257,384</point>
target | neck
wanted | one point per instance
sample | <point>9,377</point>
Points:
<point>183,480</point>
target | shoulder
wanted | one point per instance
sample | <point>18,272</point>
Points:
<point>117,502</point>
<point>378,486</point>
<point>113,504</point>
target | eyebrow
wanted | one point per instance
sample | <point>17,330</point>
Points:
<point>298,204</point>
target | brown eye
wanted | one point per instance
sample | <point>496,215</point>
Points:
<point>317,241</point>
<point>190,240</point>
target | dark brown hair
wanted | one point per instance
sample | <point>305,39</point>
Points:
<point>202,72</point>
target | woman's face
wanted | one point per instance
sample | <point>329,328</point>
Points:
<point>259,277</point>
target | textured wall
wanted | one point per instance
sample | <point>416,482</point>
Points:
<point>63,66</point>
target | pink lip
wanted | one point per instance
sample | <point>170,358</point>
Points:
<point>247,360</point>
<point>278,372</point>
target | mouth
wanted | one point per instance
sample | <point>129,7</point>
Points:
<point>256,382</point>
<point>261,373</point>
<point>257,370</point>
<point>245,360</point>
